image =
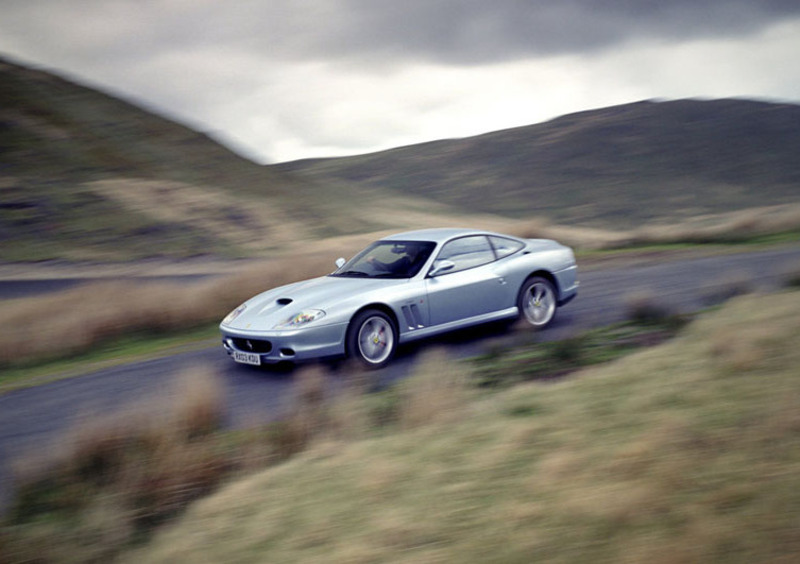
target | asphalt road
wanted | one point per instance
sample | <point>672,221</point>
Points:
<point>32,420</point>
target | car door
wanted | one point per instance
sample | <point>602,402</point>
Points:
<point>469,288</point>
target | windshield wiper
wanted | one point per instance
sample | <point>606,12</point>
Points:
<point>357,273</point>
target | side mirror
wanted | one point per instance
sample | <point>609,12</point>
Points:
<point>340,262</point>
<point>442,266</point>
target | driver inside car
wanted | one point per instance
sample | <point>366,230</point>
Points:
<point>405,266</point>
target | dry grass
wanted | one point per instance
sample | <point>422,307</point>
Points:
<point>621,464</point>
<point>733,227</point>
<point>725,228</point>
<point>435,394</point>
<point>72,321</point>
<point>112,477</point>
<point>674,454</point>
<point>308,416</point>
<point>244,222</point>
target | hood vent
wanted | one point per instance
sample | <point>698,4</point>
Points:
<point>284,301</point>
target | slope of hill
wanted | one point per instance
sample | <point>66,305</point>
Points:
<point>86,176</point>
<point>617,166</point>
<point>679,453</point>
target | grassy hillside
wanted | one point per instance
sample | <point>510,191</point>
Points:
<point>688,452</point>
<point>684,452</point>
<point>620,166</point>
<point>84,175</point>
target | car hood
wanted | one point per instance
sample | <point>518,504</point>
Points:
<point>273,307</point>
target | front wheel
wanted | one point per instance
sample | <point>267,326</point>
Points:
<point>537,302</point>
<point>371,338</point>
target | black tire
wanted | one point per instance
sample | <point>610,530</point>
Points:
<point>537,302</point>
<point>372,338</point>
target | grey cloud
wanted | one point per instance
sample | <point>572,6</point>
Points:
<point>479,31</point>
<point>285,75</point>
<point>460,32</point>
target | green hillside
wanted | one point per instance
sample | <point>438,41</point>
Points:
<point>84,175</point>
<point>614,167</point>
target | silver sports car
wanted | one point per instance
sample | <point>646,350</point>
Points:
<point>404,287</point>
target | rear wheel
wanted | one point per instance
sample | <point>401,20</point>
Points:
<point>371,338</point>
<point>537,302</point>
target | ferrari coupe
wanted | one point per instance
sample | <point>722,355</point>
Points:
<point>401,288</point>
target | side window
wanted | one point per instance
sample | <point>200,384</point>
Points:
<point>467,252</point>
<point>504,247</point>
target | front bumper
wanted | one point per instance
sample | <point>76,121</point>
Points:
<point>299,345</point>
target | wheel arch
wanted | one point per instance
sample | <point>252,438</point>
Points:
<point>547,275</point>
<point>383,308</point>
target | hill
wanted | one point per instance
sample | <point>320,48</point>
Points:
<point>87,176</point>
<point>84,175</point>
<point>613,167</point>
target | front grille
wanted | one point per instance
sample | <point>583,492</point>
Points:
<point>252,345</point>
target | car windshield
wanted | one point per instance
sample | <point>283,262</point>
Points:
<point>388,259</point>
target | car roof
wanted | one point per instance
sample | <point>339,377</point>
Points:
<point>438,235</point>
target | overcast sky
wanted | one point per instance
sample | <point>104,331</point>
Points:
<point>280,80</point>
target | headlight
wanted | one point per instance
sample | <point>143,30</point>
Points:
<point>234,314</point>
<point>303,318</point>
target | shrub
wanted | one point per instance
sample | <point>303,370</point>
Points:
<point>791,276</point>
<point>644,308</point>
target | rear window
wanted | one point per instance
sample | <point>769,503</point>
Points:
<point>504,247</point>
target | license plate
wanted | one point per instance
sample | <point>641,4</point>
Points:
<point>247,358</point>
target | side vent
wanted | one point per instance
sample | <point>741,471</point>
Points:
<point>412,316</point>
<point>284,301</point>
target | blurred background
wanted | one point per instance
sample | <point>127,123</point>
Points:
<point>161,162</point>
